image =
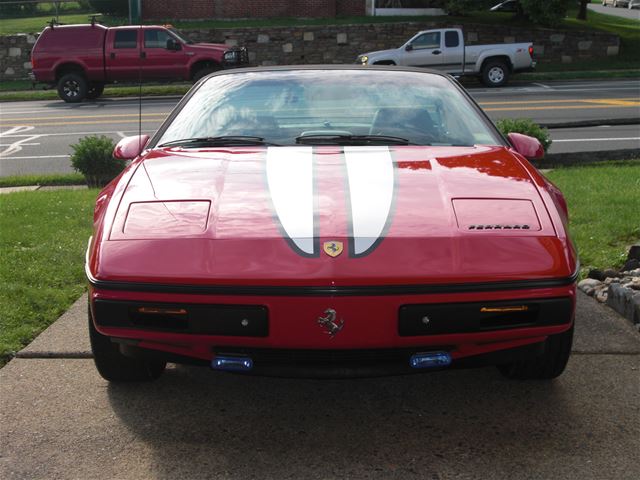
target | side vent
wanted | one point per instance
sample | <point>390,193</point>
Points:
<point>499,227</point>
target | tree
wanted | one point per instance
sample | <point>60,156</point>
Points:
<point>582,11</point>
<point>549,12</point>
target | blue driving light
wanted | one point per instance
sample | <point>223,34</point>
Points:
<point>232,364</point>
<point>430,360</point>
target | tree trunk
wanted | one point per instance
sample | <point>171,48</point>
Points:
<point>582,12</point>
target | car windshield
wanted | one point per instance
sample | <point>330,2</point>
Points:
<point>329,107</point>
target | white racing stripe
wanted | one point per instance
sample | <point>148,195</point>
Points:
<point>290,179</point>
<point>371,184</point>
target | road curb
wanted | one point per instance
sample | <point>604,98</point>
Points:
<point>591,123</point>
<point>586,158</point>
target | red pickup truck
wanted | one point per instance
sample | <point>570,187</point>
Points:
<point>80,59</point>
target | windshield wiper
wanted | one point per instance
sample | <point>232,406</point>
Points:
<point>337,139</point>
<point>221,141</point>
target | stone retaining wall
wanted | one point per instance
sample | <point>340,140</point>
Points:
<point>342,43</point>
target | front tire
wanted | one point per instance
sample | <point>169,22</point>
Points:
<point>204,71</point>
<point>72,87</point>
<point>557,349</point>
<point>114,366</point>
<point>495,73</point>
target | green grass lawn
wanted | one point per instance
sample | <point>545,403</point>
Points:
<point>43,237</point>
<point>43,180</point>
<point>604,202</point>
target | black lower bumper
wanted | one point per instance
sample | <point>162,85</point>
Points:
<point>338,364</point>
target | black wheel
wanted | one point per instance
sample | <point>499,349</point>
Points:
<point>203,72</point>
<point>495,73</point>
<point>115,367</point>
<point>72,87</point>
<point>95,90</point>
<point>550,364</point>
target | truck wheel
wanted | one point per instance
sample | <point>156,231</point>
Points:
<point>550,364</point>
<point>114,366</point>
<point>95,90</point>
<point>495,73</point>
<point>72,87</point>
<point>203,72</point>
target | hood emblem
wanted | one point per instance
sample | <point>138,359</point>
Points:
<point>333,248</point>
<point>329,322</point>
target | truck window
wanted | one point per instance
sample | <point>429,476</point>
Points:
<point>451,39</point>
<point>156,38</point>
<point>125,39</point>
<point>427,40</point>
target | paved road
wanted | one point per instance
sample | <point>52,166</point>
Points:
<point>35,136</point>
<point>616,12</point>
<point>606,137</point>
<point>59,419</point>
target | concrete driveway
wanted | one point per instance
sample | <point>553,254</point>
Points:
<point>59,419</point>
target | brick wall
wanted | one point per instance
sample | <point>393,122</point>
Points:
<point>350,8</point>
<point>172,9</point>
<point>199,9</point>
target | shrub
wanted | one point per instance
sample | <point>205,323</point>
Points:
<point>525,126</point>
<point>460,8</point>
<point>549,13</point>
<point>92,157</point>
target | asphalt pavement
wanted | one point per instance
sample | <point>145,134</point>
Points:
<point>616,12</point>
<point>35,137</point>
<point>59,419</point>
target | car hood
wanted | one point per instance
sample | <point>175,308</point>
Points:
<point>379,52</point>
<point>329,216</point>
<point>207,46</point>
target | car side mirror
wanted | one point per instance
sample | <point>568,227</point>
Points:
<point>173,45</point>
<point>408,47</point>
<point>529,147</point>
<point>130,147</point>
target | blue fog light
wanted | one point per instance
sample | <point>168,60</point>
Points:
<point>430,360</point>
<point>232,364</point>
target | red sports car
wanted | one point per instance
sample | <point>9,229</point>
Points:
<point>330,221</point>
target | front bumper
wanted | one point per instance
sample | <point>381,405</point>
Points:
<point>379,333</point>
<point>235,57</point>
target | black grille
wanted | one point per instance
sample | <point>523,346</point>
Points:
<point>230,320</point>
<point>326,358</point>
<point>475,317</point>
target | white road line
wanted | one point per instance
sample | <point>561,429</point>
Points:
<point>23,144</point>
<point>35,156</point>
<point>83,109</point>
<point>121,134</point>
<point>13,130</point>
<point>543,85</point>
<point>69,134</point>
<point>16,146</point>
<point>621,139</point>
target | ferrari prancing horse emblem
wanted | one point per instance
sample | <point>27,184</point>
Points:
<point>329,322</point>
<point>333,248</point>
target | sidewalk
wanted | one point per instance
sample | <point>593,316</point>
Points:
<point>59,419</point>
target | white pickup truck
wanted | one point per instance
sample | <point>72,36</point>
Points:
<point>444,49</point>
